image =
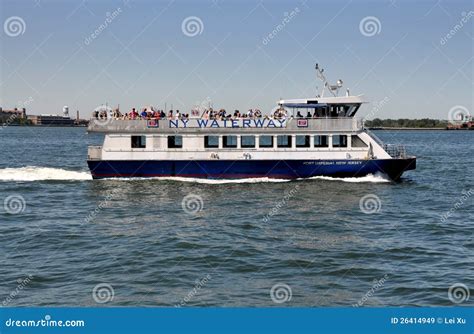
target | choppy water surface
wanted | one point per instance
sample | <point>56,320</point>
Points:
<point>68,240</point>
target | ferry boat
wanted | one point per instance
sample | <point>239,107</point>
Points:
<point>301,138</point>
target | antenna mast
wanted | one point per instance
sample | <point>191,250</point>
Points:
<point>333,89</point>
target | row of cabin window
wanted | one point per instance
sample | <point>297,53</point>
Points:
<point>283,141</point>
<point>265,141</point>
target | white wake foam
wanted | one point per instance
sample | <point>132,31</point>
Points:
<point>369,178</point>
<point>33,173</point>
<point>377,178</point>
<point>203,181</point>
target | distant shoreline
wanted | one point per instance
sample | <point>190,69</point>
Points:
<point>415,129</point>
<point>44,126</point>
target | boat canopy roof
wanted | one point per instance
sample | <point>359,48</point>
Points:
<point>322,101</point>
<point>304,105</point>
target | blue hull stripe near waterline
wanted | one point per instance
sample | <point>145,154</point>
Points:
<point>237,169</point>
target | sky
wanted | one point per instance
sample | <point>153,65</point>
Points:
<point>411,59</point>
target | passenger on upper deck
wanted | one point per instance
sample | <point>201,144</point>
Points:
<point>279,113</point>
<point>133,114</point>
<point>221,114</point>
<point>116,113</point>
<point>148,113</point>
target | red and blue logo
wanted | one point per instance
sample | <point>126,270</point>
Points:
<point>302,123</point>
<point>152,123</point>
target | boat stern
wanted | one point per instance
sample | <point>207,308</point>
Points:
<point>395,168</point>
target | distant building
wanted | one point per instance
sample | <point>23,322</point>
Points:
<point>12,115</point>
<point>51,120</point>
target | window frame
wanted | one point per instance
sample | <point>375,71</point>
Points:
<point>342,143</point>
<point>265,146</point>
<point>307,141</point>
<point>174,146</point>
<point>140,143</point>
<point>206,142</point>
<point>226,145</point>
<point>288,145</point>
<point>326,145</point>
<point>355,139</point>
<point>242,145</point>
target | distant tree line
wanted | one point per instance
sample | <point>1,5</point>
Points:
<point>13,120</point>
<point>405,123</point>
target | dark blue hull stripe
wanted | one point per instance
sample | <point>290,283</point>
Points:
<point>236,169</point>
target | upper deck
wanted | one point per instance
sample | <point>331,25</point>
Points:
<point>331,100</point>
<point>324,107</point>
<point>228,126</point>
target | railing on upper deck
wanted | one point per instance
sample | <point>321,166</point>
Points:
<point>395,151</point>
<point>376,138</point>
<point>293,125</point>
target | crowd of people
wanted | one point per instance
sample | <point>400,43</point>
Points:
<point>221,114</point>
